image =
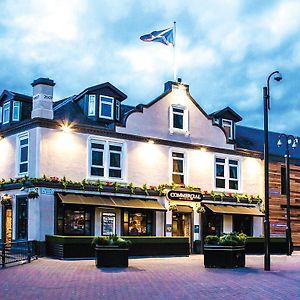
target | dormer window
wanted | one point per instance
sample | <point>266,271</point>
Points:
<point>92,105</point>
<point>6,112</point>
<point>106,107</point>
<point>16,111</point>
<point>228,127</point>
<point>118,110</point>
<point>178,119</point>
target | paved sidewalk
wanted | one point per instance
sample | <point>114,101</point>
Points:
<point>152,278</point>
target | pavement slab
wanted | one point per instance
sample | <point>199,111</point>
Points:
<point>152,278</point>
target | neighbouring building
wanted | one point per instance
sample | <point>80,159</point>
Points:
<point>92,165</point>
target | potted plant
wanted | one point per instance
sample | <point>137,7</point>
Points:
<point>227,251</point>
<point>111,251</point>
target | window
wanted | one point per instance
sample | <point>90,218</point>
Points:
<point>178,119</point>
<point>106,107</point>
<point>118,110</point>
<point>6,113</point>
<point>23,154</point>
<point>137,222</point>
<point>213,224</point>
<point>227,174</point>
<point>22,218</point>
<point>74,220</point>
<point>228,127</point>
<point>106,159</point>
<point>242,223</point>
<point>92,105</point>
<point>283,180</point>
<point>0,114</point>
<point>178,167</point>
<point>16,111</point>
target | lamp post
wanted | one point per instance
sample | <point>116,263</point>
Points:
<point>266,96</point>
<point>293,141</point>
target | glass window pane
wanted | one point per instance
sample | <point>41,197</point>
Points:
<point>97,171</point>
<point>233,162</point>
<point>178,110</point>
<point>106,110</point>
<point>106,99</point>
<point>23,168</point>
<point>175,154</point>
<point>115,148</point>
<point>97,158</point>
<point>178,121</point>
<point>221,160</point>
<point>115,173</point>
<point>178,178</point>
<point>177,166</point>
<point>220,183</point>
<point>23,142</point>
<point>233,172</point>
<point>24,154</point>
<point>220,170</point>
<point>97,146</point>
<point>115,160</point>
<point>233,184</point>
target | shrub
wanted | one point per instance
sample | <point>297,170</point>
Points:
<point>111,240</point>
<point>211,240</point>
<point>232,239</point>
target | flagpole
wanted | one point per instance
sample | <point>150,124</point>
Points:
<point>174,53</point>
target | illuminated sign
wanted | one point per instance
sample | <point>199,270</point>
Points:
<point>184,195</point>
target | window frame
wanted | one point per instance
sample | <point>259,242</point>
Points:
<point>19,201</point>
<point>227,174</point>
<point>93,113</point>
<point>185,121</point>
<point>21,137</point>
<point>107,103</point>
<point>18,108</point>
<point>231,131</point>
<point>184,159</point>
<point>106,159</point>
<point>1,113</point>
<point>118,110</point>
<point>6,107</point>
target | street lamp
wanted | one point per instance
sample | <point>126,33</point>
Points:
<point>293,141</point>
<point>266,96</point>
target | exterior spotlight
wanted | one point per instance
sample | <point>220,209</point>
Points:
<point>150,142</point>
<point>66,127</point>
<point>203,149</point>
<point>277,76</point>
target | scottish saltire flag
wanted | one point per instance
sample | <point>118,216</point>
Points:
<point>162,36</point>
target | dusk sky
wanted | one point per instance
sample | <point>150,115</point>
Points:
<point>225,51</point>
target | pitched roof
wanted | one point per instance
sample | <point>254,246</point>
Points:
<point>225,112</point>
<point>253,139</point>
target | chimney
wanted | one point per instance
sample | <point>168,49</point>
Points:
<point>42,99</point>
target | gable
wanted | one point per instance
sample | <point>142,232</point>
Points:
<point>154,120</point>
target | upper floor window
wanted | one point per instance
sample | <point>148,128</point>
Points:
<point>23,157</point>
<point>178,119</point>
<point>228,127</point>
<point>16,111</point>
<point>92,105</point>
<point>106,159</point>
<point>6,113</point>
<point>1,114</point>
<point>118,110</point>
<point>227,174</point>
<point>178,167</point>
<point>106,107</point>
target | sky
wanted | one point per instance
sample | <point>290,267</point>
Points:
<point>225,51</point>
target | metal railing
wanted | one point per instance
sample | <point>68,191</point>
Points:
<point>16,252</point>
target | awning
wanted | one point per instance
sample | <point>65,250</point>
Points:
<point>184,209</point>
<point>234,210</point>
<point>106,201</point>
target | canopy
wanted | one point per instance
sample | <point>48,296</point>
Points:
<point>107,201</point>
<point>234,210</point>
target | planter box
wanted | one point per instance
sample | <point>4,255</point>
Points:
<point>216,256</point>
<point>110,256</point>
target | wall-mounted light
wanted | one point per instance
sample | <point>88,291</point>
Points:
<point>203,149</point>
<point>1,137</point>
<point>66,126</point>
<point>151,142</point>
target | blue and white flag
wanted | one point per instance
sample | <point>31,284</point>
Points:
<point>162,36</point>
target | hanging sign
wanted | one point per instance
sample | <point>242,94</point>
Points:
<point>184,195</point>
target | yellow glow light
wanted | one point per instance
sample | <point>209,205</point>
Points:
<point>66,127</point>
<point>203,149</point>
<point>150,142</point>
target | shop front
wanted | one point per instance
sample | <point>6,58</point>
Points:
<point>86,215</point>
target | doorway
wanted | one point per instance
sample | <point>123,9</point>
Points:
<point>181,224</point>
<point>7,224</point>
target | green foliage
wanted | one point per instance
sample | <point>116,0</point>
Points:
<point>211,240</point>
<point>111,240</point>
<point>226,239</point>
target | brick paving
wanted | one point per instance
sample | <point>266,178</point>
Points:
<point>152,278</point>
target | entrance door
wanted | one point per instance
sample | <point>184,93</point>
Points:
<point>7,232</point>
<point>181,224</point>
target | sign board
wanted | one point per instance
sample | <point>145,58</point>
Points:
<point>169,228</point>
<point>108,223</point>
<point>278,225</point>
<point>196,229</point>
<point>274,191</point>
<point>184,195</point>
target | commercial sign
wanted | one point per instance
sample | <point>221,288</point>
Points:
<point>184,195</point>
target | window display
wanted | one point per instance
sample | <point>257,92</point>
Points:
<point>137,223</point>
